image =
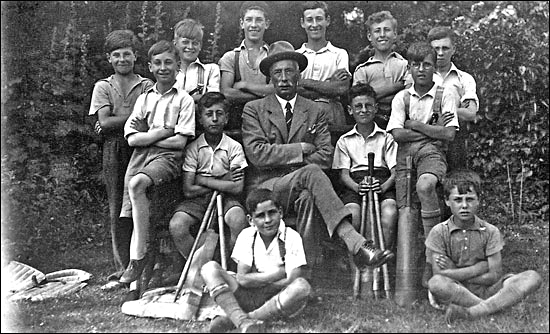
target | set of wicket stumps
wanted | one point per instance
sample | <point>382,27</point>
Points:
<point>367,282</point>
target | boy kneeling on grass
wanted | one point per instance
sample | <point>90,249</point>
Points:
<point>466,257</point>
<point>268,283</point>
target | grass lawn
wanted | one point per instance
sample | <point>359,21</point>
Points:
<point>93,310</point>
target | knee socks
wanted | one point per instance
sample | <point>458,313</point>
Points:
<point>507,296</point>
<point>225,298</point>
<point>429,220</point>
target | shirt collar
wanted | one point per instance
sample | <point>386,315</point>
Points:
<point>478,225</point>
<point>242,46</point>
<point>452,69</point>
<point>354,131</point>
<point>327,48</point>
<point>174,87</point>
<point>283,102</point>
<point>431,92</point>
<point>197,62</point>
<point>222,145</point>
<point>392,54</point>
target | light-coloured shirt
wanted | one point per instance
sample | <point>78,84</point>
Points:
<point>378,73</point>
<point>173,109</point>
<point>201,159</point>
<point>351,151</point>
<point>250,72</point>
<point>106,93</point>
<point>465,247</point>
<point>420,107</point>
<point>283,103</point>
<point>190,78</point>
<point>461,82</point>
<point>269,259</point>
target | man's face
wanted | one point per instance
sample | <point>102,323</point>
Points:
<point>423,71</point>
<point>122,60</point>
<point>266,218</point>
<point>382,35</point>
<point>213,119</point>
<point>445,51</point>
<point>463,206</point>
<point>189,48</point>
<point>164,67</point>
<point>284,76</point>
<point>315,23</point>
<point>363,108</point>
<point>254,25</point>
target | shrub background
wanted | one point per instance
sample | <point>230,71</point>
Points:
<point>52,53</point>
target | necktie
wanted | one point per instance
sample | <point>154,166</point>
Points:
<point>288,116</point>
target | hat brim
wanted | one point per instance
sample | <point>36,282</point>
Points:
<point>266,63</point>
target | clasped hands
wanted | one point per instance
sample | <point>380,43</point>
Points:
<point>364,186</point>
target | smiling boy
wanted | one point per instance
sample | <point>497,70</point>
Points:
<point>159,127</point>
<point>466,257</point>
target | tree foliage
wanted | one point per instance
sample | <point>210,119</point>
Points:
<point>52,53</point>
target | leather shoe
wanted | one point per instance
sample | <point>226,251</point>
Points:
<point>133,271</point>
<point>370,256</point>
<point>252,326</point>
<point>221,324</point>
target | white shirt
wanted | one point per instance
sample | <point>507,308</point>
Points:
<point>283,103</point>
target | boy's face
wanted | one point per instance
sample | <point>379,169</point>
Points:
<point>423,71</point>
<point>284,76</point>
<point>266,218</point>
<point>382,35</point>
<point>213,119</point>
<point>122,60</point>
<point>445,51</point>
<point>254,25</point>
<point>363,108</point>
<point>315,22</point>
<point>164,67</point>
<point>463,206</point>
<point>189,48</point>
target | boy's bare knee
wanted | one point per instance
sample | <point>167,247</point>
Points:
<point>300,287</point>
<point>438,284</point>
<point>209,269</point>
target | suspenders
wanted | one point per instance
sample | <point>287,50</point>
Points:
<point>436,107</point>
<point>282,248</point>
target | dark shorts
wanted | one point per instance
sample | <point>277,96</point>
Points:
<point>427,158</point>
<point>197,206</point>
<point>252,298</point>
<point>382,174</point>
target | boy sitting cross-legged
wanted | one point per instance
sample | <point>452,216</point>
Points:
<point>268,282</point>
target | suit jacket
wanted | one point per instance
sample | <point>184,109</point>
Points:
<point>272,150</point>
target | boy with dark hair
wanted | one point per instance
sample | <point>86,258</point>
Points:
<point>194,76</point>
<point>112,101</point>
<point>423,120</point>
<point>442,39</point>
<point>159,127</point>
<point>327,76</point>
<point>241,80</point>
<point>350,158</point>
<point>213,161</point>
<point>269,281</point>
<point>386,71</point>
<point>466,257</point>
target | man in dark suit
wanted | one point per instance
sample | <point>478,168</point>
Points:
<point>287,143</point>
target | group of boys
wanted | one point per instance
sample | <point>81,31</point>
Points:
<point>402,108</point>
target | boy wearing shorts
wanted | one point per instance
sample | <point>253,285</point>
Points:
<point>350,158</point>
<point>423,121</point>
<point>466,257</point>
<point>213,161</point>
<point>269,281</point>
<point>159,127</point>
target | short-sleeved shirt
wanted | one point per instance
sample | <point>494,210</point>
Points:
<point>268,259</point>
<point>322,64</point>
<point>378,73</point>
<point>106,93</point>
<point>190,78</point>
<point>461,82</point>
<point>201,159</point>
<point>465,247</point>
<point>249,72</point>
<point>173,109</point>
<point>420,107</point>
<point>352,150</point>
